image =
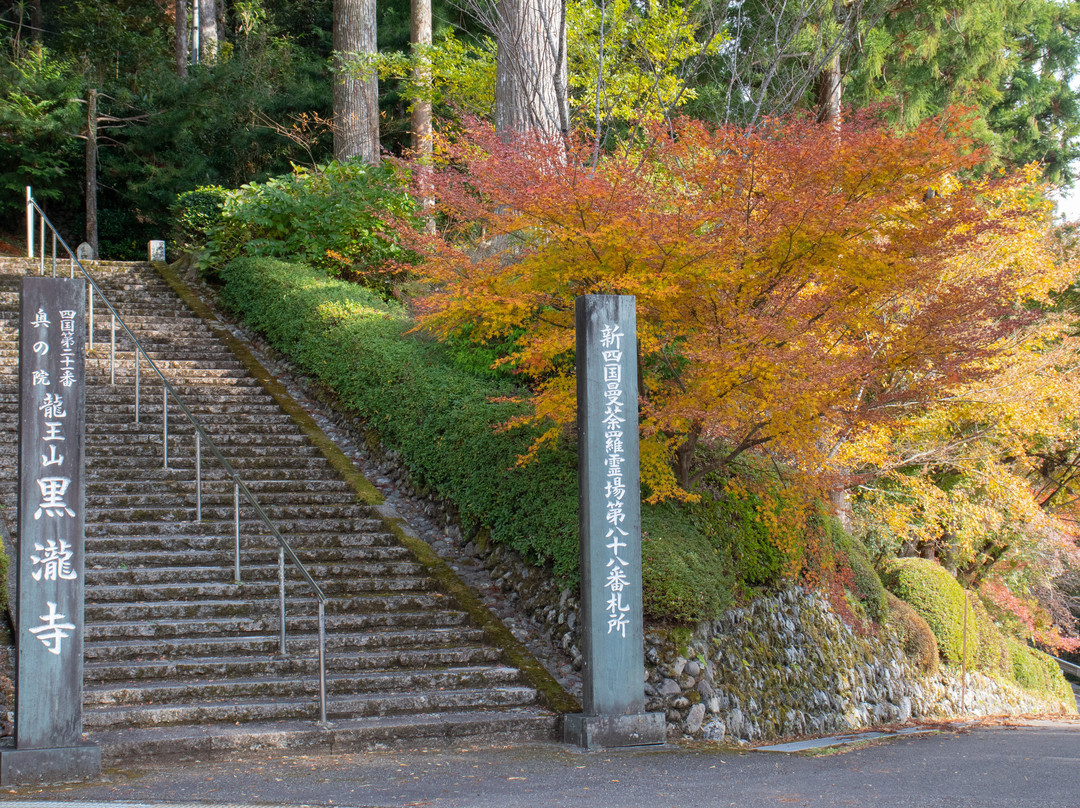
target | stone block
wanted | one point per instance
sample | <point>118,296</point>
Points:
<point>614,731</point>
<point>156,250</point>
<point>69,764</point>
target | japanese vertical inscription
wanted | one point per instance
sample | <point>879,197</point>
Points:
<point>52,391</point>
<point>610,505</point>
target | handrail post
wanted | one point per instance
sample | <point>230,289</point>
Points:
<point>90,341</point>
<point>54,253</point>
<point>29,222</point>
<point>71,263</point>
<point>236,531</point>
<point>164,426</point>
<point>198,476</point>
<point>281,598</point>
<point>42,251</point>
<point>138,357</point>
<point>112,351</point>
<point>322,662</point>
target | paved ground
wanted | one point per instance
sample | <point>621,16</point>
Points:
<point>1016,766</point>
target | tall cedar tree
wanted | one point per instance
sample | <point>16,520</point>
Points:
<point>356,96</point>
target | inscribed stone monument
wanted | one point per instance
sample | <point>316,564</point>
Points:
<point>613,697</point>
<point>49,658</point>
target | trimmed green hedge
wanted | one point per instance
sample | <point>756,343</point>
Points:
<point>405,388</point>
<point>939,600</point>
<point>684,577</point>
<point>1034,670</point>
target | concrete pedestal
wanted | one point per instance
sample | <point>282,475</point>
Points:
<point>69,764</point>
<point>614,731</point>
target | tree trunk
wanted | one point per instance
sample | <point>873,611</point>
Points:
<point>684,456</point>
<point>181,38</point>
<point>208,30</point>
<point>840,499</point>
<point>830,93</point>
<point>37,23</point>
<point>830,87</point>
<point>422,144</point>
<point>91,173</point>
<point>530,65</point>
<point>356,97</point>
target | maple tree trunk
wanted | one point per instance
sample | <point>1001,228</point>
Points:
<point>684,456</point>
<point>181,23</point>
<point>530,66</point>
<point>356,98</point>
<point>208,32</point>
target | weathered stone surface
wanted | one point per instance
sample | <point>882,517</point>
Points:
<point>669,687</point>
<point>694,719</point>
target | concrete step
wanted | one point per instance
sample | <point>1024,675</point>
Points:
<point>284,708</point>
<point>258,655</point>
<point>446,728</point>
<point>290,681</point>
<point>266,626</point>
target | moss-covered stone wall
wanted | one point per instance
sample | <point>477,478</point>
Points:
<point>787,665</point>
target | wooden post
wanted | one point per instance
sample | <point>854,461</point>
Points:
<point>91,173</point>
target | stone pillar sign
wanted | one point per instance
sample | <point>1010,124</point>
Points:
<point>610,526</point>
<point>49,659</point>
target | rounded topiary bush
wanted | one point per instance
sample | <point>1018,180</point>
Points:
<point>992,652</point>
<point>916,639</point>
<point>939,599</point>
<point>1035,671</point>
<point>683,575</point>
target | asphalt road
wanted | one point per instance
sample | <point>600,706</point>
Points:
<point>1033,765</point>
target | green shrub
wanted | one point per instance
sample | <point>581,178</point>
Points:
<point>440,420</point>
<point>755,529</point>
<point>916,638</point>
<point>684,576</point>
<point>335,217</point>
<point>868,587</point>
<point>194,215</point>
<point>991,651</point>
<point>929,589</point>
<point>1035,671</point>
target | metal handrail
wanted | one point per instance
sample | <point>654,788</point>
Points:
<point>201,435</point>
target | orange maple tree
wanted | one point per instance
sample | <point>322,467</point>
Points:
<point>794,282</point>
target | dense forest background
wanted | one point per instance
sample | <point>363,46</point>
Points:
<point>262,98</point>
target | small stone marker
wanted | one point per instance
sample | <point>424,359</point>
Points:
<point>609,499</point>
<point>84,252</point>
<point>52,422</point>
<point>156,250</point>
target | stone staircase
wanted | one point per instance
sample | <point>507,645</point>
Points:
<point>179,658</point>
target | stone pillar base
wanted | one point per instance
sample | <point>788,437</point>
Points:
<point>613,731</point>
<point>68,764</point>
